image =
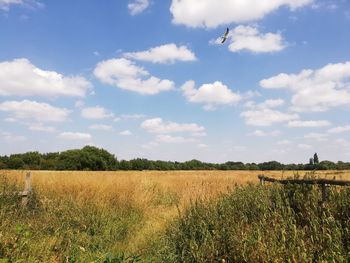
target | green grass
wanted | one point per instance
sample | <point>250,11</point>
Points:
<point>263,224</point>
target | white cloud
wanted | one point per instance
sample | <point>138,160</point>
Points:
<point>79,103</point>
<point>304,146</point>
<point>211,13</point>
<point>266,117</point>
<point>74,136</point>
<point>31,110</point>
<point>211,94</point>
<point>101,127</point>
<point>124,74</point>
<point>41,127</point>
<point>132,116</point>
<point>5,4</point>
<point>165,138</point>
<point>339,129</point>
<point>284,142</point>
<point>202,146</point>
<point>316,136</point>
<point>21,78</point>
<point>250,39</point>
<point>96,113</point>
<point>267,104</point>
<point>263,114</point>
<point>308,124</point>
<point>11,138</point>
<point>260,133</point>
<point>157,125</point>
<point>125,133</point>
<point>138,6</point>
<point>315,90</point>
<point>168,53</point>
<point>150,145</point>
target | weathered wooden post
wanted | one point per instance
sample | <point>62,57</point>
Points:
<point>27,189</point>
<point>261,177</point>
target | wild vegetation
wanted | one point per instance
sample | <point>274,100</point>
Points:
<point>91,158</point>
<point>263,224</point>
<point>177,216</point>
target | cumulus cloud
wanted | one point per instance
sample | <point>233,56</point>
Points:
<point>247,38</point>
<point>41,127</point>
<point>165,138</point>
<point>11,138</point>
<point>124,74</point>
<point>260,133</point>
<point>169,53</point>
<point>211,94</point>
<point>20,77</point>
<point>267,104</point>
<point>138,6</point>
<point>96,113</point>
<point>340,129</point>
<point>315,90</point>
<point>264,114</point>
<point>26,110</point>
<point>101,127</point>
<point>266,117</point>
<point>316,136</point>
<point>74,136</point>
<point>211,13</point>
<point>132,116</point>
<point>6,4</point>
<point>284,142</point>
<point>125,133</point>
<point>157,125</point>
<point>308,124</point>
<point>304,146</point>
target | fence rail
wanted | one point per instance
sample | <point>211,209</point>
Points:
<point>323,183</point>
<point>303,181</point>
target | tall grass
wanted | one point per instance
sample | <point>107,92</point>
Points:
<point>263,224</point>
<point>125,217</point>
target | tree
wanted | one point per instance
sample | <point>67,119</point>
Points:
<point>311,161</point>
<point>315,159</point>
<point>15,162</point>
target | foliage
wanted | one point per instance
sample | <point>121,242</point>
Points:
<point>95,159</point>
<point>316,158</point>
<point>263,224</point>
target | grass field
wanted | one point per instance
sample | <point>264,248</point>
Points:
<point>95,216</point>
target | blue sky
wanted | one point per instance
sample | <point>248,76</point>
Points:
<point>150,78</point>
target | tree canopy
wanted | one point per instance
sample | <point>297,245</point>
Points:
<point>95,159</point>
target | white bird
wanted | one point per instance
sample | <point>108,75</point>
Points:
<point>224,37</point>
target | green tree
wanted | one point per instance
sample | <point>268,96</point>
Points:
<point>15,162</point>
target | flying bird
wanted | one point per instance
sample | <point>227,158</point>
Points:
<point>224,37</point>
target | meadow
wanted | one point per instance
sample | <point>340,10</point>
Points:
<point>130,216</point>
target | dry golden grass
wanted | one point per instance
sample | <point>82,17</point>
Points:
<point>159,194</point>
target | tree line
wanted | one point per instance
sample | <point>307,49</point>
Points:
<point>95,159</point>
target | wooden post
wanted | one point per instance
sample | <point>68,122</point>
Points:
<point>27,189</point>
<point>261,180</point>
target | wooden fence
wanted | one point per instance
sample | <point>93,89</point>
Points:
<point>323,183</point>
<point>25,194</point>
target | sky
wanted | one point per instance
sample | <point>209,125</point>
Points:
<point>151,78</point>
